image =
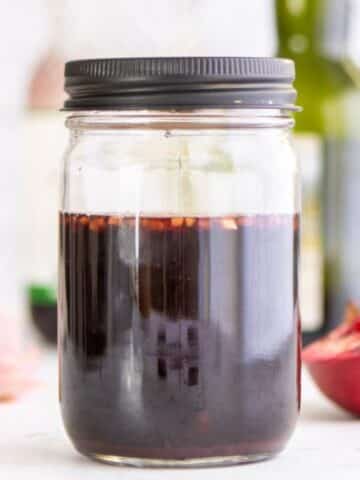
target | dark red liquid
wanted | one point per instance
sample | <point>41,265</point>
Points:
<point>179,336</point>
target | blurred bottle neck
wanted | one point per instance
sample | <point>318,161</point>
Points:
<point>309,29</point>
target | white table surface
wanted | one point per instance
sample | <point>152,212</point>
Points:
<point>33,445</point>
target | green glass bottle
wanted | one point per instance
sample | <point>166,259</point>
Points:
<point>314,34</point>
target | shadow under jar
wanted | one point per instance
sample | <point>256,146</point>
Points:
<point>179,232</point>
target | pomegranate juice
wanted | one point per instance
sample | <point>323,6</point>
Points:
<point>179,336</point>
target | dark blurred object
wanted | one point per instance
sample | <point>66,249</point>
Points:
<point>314,34</point>
<point>43,308</point>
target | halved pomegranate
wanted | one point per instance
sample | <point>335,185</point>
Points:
<point>334,361</point>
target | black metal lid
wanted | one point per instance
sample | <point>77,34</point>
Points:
<point>180,83</point>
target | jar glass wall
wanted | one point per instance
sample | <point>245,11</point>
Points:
<point>178,286</point>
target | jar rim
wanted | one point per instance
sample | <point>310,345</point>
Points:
<point>198,119</point>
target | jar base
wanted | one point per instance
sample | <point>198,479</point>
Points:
<point>221,461</point>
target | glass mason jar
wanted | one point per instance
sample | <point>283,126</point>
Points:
<point>179,236</point>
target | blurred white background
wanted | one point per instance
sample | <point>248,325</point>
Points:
<point>37,37</point>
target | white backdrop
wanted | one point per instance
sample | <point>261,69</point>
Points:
<point>90,28</point>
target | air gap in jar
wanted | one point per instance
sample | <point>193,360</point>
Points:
<point>179,234</point>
